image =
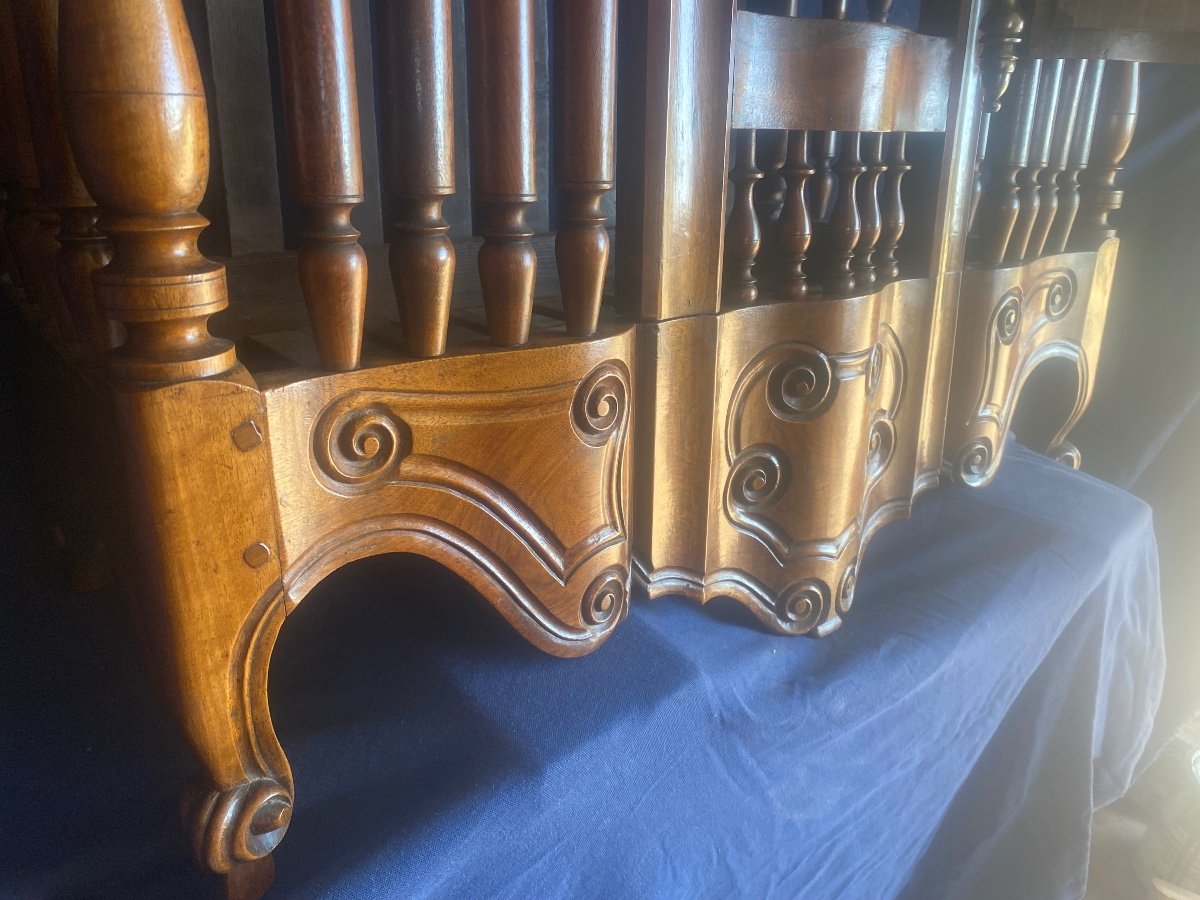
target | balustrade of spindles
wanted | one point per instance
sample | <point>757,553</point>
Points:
<point>1038,157</point>
<point>1000,31</point>
<point>316,55</point>
<point>1060,142</point>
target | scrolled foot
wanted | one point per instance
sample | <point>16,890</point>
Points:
<point>1066,453</point>
<point>239,825</point>
<point>974,465</point>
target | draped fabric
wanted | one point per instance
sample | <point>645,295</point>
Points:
<point>994,682</point>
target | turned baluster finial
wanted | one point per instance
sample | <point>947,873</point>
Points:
<point>320,102</point>
<point>418,82</point>
<point>1038,157</point>
<point>1060,145</point>
<point>845,224</point>
<point>586,52</point>
<point>891,211</point>
<point>1000,31</point>
<point>503,160</point>
<point>869,212</point>
<point>743,239</point>
<point>795,226</point>
<point>139,132</point>
<point>1116,119</point>
<point>83,248</point>
<point>1000,201</point>
<point>1077,157</point>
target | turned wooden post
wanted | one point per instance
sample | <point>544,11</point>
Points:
<point>83,248</point>
<point>795,226</point>
<point>743,238</point>
<point>771,156</point>
<point>139,132</point>
<point>1116,119</point>
<point>891,209</point>
<point>1000,202</point>
<point>503,160</point>
<point>585,48</point>
<point>1038,157</point>
<point>845,224</point>
<point>999,33</point>
<point>1060,145</point>
<point>320,103</point>
<point>1077,158</point>
<point>868,206</point>
<point>418,78</point>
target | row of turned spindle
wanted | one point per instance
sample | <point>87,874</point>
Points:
<point>1053,159</point>
<point>789,186</point>
<point>318,81</point>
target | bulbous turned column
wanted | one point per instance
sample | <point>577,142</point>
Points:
<point>586,55</point>
<point>887,267</point>
<point>743,238</point>
<point>869,212</point>
<point>139,132</point>
<point>503,160</point>
<point>320,102</point>
<point>1116,119</point>
<point>845,225</point>
<point>418,87</point>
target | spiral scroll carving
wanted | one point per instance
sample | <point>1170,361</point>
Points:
<point>606,600</point>
<point>801,387</point>
<point>758,478</point>
<point>1006,321</point>
<point>242,823</point>
<point>803,605</point>
<point>601,404</point>
<point>974,467</point>
<point>881,443</point>
<point>1066,453</point>
<point>360,448</point>
<point>845,594</point>
<point>1060,297</point>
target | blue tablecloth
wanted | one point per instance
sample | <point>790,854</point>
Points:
<point>994,683</point>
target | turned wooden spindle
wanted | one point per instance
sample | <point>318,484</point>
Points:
<point>1116,118</point>
<point>503,160</point>
<point>891,209</point>
<point>834,9</point>
<point>879,10</point>
<point>1077,158</point>
<point>139,132</point>
<point>83,249</point>
<point>320,103</point>
<point>1038,157</point>
<point>868,209</point>
<point>794,230</point>
<point>1060,144</point>
<point>418,85</point>
<point>824,181</point>
<point>845,224</point>
<point>1000,31</point>
<point>1000,202</point>
<point>585,56</point>
<point>743,238</point>
<point>771,154</point>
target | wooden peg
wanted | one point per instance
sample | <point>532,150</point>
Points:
<point>845,224</point>
<point>1116,119</point>
<point>503,160</point>
<point>418,84</point>
<point>585,54</point>
<point>320,101</point>
<point>892,208</point>
<point>139,132</point>
<point>1077,157</point>
<point>1060,145</point>
<point>1000,203</point>
<point>742,235</point>
<point>795,225</point>
<point>869,212</point>
<point>1039,155</point>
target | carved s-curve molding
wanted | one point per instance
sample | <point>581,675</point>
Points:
<point>368,440</point>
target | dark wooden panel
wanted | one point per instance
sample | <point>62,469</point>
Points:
<point>856,76</point>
